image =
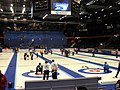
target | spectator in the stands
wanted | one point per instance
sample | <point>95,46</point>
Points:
<point>3,81</point>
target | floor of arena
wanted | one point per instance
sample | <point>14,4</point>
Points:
<point>18,70</point>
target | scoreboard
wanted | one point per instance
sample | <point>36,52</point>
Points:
<point>56,7</point>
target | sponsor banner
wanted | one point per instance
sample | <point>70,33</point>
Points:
<point>61,12</point>
<point>84,50</point>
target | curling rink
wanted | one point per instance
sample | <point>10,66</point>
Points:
<point>18,70</point>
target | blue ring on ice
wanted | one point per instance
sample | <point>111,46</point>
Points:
<point>84,71</point>
<point>27,74</point>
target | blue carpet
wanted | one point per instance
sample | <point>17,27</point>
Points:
<point>11,70</point>
<point>99,57</point>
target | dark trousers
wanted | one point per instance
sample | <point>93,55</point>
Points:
<point>93,54</point>
<point>54,74</point>
<point>116,55</point>
<point>117,73</point>
<point>24,57</point>
<point>37,55</point>
<point>39,70</point>
<point>46,74</point>
<point>31,58</point>
<point>42,54</point>
<point>106,70</point>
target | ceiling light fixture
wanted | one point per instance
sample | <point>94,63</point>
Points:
<point>1,10</point>
<point>91,2</point>
<point>23,11</point>
<point>89,17</point>
<point>104,15</point>
<point>102,9</point>
<point>110,6</point>
<point>90,14</point>
<point>96,12</point>
<point>23,5</point>
<point>11,5</point>
<point>98,17</point>
<point>111,13</point>
<point>85,16</point>
<point>118,11</point>
<point>63,17</point>
<point>11,9</point>
<point>45,16</point>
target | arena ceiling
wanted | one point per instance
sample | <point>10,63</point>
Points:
<point>101,9</point>
<point>86,11</point>
<point>10,9</point>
